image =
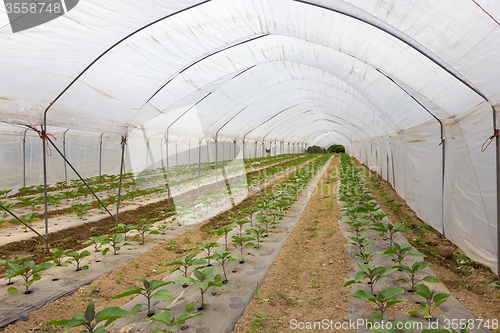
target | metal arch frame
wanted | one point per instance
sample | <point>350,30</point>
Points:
<point>425,54</point>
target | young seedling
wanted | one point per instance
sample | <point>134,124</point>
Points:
<point>6,262</point>
<point>81,209</point>
<point>358,226</point>
<point>183,264</point>
<point>123,227</point>
<point>173,322</point>
<point>431,299</point>
<point>223,257</point>
<point>87,319</point>
<point>265,220</point>
<point>28,219</point>
<point>148,292</point>
<point>366,255</point>
<point>76,259</point>
<point>28,271</point>
<point>241,243</point>
<point>144,229</point>
<point>400,252</point>
<point>258,233</point>
<point>207,247</point>
<point>96,242</point>
<point>224,231</point>
<point>372,273</point>
<point>389,230</point>
<point>202,281</point>
<point>58,257</point>
<point>413,272</point>
<point>114,241</point>
<point>360,241</point>
<point>240,224</point>
<point>163,228</point>
<point>384,300</point>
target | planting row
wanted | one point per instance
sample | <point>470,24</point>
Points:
<point>362,213</point>
<point>249,227</point>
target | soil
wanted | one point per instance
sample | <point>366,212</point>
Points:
<point>467,282</point>
<point>105,287</point>
<point>306,281</point>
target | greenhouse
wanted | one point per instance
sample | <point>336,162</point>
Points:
<point>158,165</point>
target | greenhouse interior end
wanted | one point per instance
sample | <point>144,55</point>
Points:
<point>193,110</point>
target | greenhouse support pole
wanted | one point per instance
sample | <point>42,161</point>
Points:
<point>64,154</point>
<point>176,154</point>
<point>216,160</point>
<point>44,152</point>
<point>496,134</point>
<point>234,158</point>
<point>24,158</point>
<point>168,169</point>
<point>79,176</point>
<point>123,143</point>
<point>100,158</point>
<point>199,166</point>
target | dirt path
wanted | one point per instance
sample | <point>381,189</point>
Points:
<point>305,283</point>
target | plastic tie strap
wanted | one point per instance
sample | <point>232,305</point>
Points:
<point>489,140</point>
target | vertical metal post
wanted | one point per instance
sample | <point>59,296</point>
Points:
<point>442,184</point>
<point>24,158</point>
<point>168,170</point>
<point>100,158</point>
<point>234,158</point>
<point>216,160</point>
<point>199,166</point>
<point>122,167</point>
<point>64,154</point>
<point>497,147</point>
<point>147,153</point>
<point>44,152</point>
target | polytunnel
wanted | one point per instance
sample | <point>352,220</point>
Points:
<point>410,88</point>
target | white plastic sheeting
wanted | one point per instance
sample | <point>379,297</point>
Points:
<point>376,76</point>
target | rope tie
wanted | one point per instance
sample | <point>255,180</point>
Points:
<point>44,136</point>
<point>489,140</point>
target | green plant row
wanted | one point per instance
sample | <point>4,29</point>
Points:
<point>363,213</point>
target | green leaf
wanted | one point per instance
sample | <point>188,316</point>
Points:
<point>376,315</point>
<point>76,320</point>
<point>435,330</point>
<point>164,295</point>
<point>154,232</point>
<point>113,313</point>
<point>43,267</point>
<point>157,330</point>
<point>162,317</point>
<point>128,292</point>
<point>90,312</point>
<point>390,293</point>
<point>423,291</point>
<point>100,329</point>
<point>105,251</point>
<point>396,301</point>
<point>184,280</point>
<point>58,322</point>
<point>365,296</point>
<point>85,267</point>
<point>414,313</point>
<point>12,290</point>
<point>189,307</point>
<point>431,279</point>
<point>154,284</point>
<point>348,283</point>
<point>423,308</point>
